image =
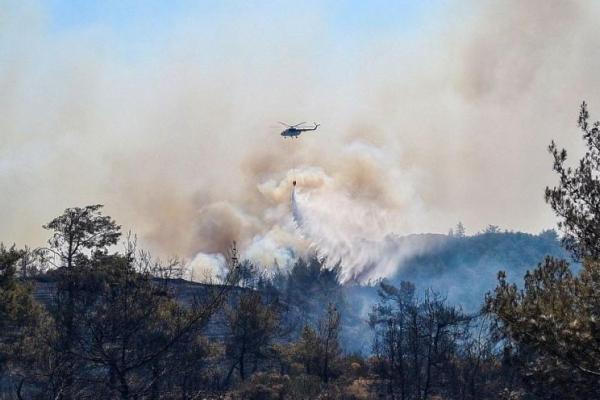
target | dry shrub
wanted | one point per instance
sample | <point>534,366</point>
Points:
<point>358,390</point>
<point>263,386</point>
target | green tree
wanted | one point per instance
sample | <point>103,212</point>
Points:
<point>554,324</point>
<point>81,229</point>
<point>306,351</point>
<point>18,311</point>
<point>15,298</point>
<point>319,350</point>
<point>251,326</point>
<point>78,234</point>
<point>309,285</point>
<point>576,199</point>
<point>492,229</point>
<point>459,230</point>
<point>133,337</point>
<point>115,328</point>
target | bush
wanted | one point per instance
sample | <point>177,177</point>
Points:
<point>264,386</point>
<point>305,387</point>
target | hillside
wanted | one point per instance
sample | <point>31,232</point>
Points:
<point>465,268</point>
<point>461,268</point>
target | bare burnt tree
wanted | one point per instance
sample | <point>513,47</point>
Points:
<point>416,341</point>
<point>329,332</point>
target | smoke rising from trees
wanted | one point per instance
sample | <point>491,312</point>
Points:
<point>419,129</point>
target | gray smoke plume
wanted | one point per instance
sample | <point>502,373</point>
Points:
<point>178,138</point>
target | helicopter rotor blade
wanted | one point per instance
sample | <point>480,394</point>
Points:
<point>284,124</point>
<point>301,123</point>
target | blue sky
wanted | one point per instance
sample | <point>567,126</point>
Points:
<point>345,15</point>
<point>137,22</point>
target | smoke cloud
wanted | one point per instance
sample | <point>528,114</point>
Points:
<point>178,138</point>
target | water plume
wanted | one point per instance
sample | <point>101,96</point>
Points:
<point>349,234</point>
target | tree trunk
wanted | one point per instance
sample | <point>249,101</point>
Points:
<point>123,387</point>
<point>241,362</point>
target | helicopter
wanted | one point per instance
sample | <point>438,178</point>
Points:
<point>294,131</point>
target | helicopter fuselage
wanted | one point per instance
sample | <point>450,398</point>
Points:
<point>291,132</point>
<point>295,132</point>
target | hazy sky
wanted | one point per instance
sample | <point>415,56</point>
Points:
<point>166,112</point>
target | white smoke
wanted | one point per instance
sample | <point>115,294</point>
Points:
<point>333,216</point>
<point>207,268</point>
<point>338,215</point>
<point>419,130</point>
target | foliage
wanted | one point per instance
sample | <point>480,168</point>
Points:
<point>21,318</point>
<point>264,386</point>
<point>113,328</point>
<point>309,285</point>
<point>79,229</point>
<point>251,325</point>
<point>460,230</point>
<point>554,323</point>
<point>117,325</point>
<point>319,351</point>
<point>15,301</point>
<point>576,199</point>
<point>425,347</point>
<point>449,262</point>
<point>551,325</point>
